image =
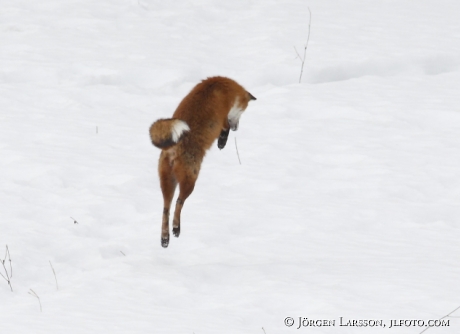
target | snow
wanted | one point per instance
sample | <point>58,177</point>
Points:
<point>345,204</point>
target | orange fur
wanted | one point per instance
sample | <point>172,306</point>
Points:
<point>205,110</point>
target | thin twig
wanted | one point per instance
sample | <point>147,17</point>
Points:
<point>446,316</point>
<point>6,279</point>
<point>32,292</point>
<point>264,330</point>
<point>302,59</point>
<point>55,278</point>
<point>237,151</point>
<point>8,274</point>
<point>74,220</point>
<point>123,253</point>
<point>9,259</point>
<point>298,55</point>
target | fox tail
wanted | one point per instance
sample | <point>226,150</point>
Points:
<point>165,133</point>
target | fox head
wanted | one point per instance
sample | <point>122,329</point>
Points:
<point>237,109</point>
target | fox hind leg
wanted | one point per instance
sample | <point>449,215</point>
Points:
<point>168,185</point>
<point>186,188</point>
<point>186,178</point>
<point>176,221</point>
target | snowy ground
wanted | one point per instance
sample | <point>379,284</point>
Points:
<point>346,202</point>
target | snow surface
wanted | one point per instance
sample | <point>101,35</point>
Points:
<point>346,202</point>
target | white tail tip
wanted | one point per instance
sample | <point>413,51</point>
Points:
<point>178,129</point>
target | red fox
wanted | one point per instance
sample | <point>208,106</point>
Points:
<point>208,112</point>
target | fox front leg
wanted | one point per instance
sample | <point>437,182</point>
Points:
<point>223,138</point>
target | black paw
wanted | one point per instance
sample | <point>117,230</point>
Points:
<point>176,231</point>
<point>165,242</point>
<point>222,141</point>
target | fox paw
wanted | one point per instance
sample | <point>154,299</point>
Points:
<point>176,231</point>
<point>221,142</point>
<point>165,241</point>
<point>222,138</point>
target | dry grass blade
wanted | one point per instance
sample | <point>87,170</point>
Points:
<point>9,274</point>
<point>302,59</point>
<point>55,278</point>
<point>446,316</point>
<point>237,153</point>
<point>33,293</point>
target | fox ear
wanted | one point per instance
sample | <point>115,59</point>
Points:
<point>251,97</point>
